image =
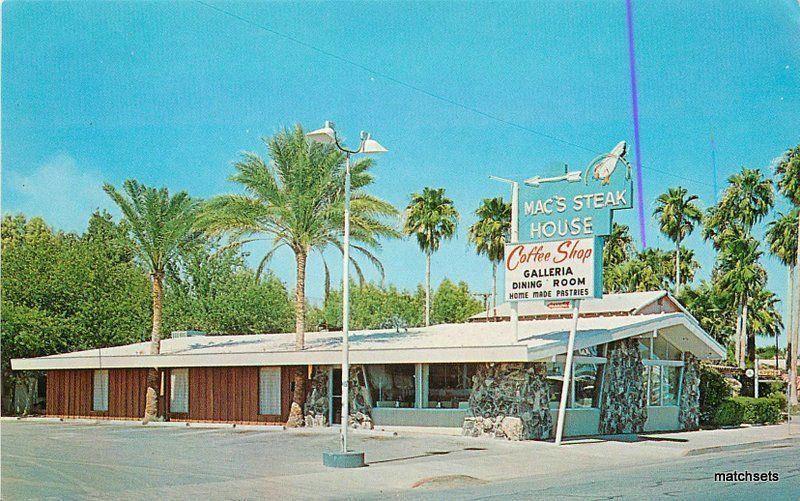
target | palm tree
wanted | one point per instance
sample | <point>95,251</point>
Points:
<point>490,234</point>
<point>687,263</point>
<point>159,224</point>
<point>432,217</point>
<point>741,276</point>
<point>297,201</point>
<point>788,172</point>
<point>763,320</point>
<point>617,246</point>
<point>678,214</point>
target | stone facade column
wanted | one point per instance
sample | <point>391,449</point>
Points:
<point>318,400</point>
<point>510,400</point>
<point>623,406</point>
<point>689,415</point>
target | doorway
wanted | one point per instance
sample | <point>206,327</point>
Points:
<point>336,396</point>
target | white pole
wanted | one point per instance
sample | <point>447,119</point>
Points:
<point>346,308</point>
<point>514,240</point>
<point>562,406</point>
<point>755,369</point>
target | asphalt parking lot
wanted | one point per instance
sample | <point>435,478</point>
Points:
<point>104,460</point>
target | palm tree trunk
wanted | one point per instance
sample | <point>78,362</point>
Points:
<point>678,269</point>
<point>300,301</point>
<point>744,335</point>
<point>738,339</point>
<point>427,289</point>
<point>153,379</point>
<point>494,285</point>
<point>298,372</point>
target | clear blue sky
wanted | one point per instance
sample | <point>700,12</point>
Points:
<point>170,93</point>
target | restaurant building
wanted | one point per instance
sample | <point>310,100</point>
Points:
<point>635,369</point>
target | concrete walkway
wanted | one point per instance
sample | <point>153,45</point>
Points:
<point>96,459</point>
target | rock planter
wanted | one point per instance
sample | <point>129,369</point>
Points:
<point>505,427</point>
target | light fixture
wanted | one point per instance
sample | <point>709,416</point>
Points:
<point>324,135</point>
<point>370,146</point>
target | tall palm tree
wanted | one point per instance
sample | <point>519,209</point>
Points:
<point>490,233</point>
<point>617,246</point>
<point>431,217</point>
<point>297,201</point>
<point>741,276</point>
<point>788,172</point>
<point>678,214</point>
<point>159,224</point>
<point>764,319</point>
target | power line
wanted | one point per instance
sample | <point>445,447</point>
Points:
<point>428,93</point>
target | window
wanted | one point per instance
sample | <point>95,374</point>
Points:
<point>670,385</point>
<point>587,377</point>
<point>100,391</point>
<point>392,385</point>
<point>179,390</point>
<point>269,391</point>
<point>449,385</point>
<point>662,371</point>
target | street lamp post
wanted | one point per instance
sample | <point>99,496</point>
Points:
<point>327,135</point>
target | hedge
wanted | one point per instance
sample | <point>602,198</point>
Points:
<point>737,410</point>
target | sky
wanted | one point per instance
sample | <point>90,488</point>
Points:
<point>171,93</point>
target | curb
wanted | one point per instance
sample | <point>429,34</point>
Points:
<point>152,424</point>
<point>743,447</point>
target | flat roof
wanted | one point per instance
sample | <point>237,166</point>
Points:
<point>467,342</point>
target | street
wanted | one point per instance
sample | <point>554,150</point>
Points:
<point>96,461</point>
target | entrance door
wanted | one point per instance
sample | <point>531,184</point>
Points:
<point>336,396</point>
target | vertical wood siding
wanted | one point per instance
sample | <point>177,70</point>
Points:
<point>69,393</point>
<point>215,394</point>
<point>127,392</point>
<point>231,394</point>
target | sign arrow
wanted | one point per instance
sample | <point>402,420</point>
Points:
<point>571,177</point>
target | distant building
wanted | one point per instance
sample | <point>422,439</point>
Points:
<point>636,369</point>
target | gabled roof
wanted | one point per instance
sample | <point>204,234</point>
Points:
<point>468,342</point>
<point>630,303</point>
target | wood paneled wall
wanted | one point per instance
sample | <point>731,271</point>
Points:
<point>231,394</point>
<point>215,394</point>
<point>69,393</point>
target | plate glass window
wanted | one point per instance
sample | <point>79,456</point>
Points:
<point>269,391</point>
<point>179,390</point>
<point>100,391</point>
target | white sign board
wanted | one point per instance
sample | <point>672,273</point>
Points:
<point>565,269</point>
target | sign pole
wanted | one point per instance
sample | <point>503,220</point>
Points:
<point>562,406</point>
<point>515,239</point>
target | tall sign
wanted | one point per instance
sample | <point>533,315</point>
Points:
<point>563,217</point>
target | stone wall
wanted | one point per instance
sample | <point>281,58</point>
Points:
<point>316,406</point>
<point>510,390</point>
<point>360,411</point>
<point>623,407</point>
<point>689,415</point>
<point>317,401</point>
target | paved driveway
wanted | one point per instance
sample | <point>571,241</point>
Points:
<point>77,461</point>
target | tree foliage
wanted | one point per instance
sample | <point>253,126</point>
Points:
<point>63,292</point>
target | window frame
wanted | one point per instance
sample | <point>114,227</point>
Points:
<point>103,373</point>
<point>263,407</point>
<point>656,362</point>
<point>172,375</point>
<point>578,360</point>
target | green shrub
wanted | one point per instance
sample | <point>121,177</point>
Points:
<point>714,390</point>
<point>729,413</point>
<point>737,410</point>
